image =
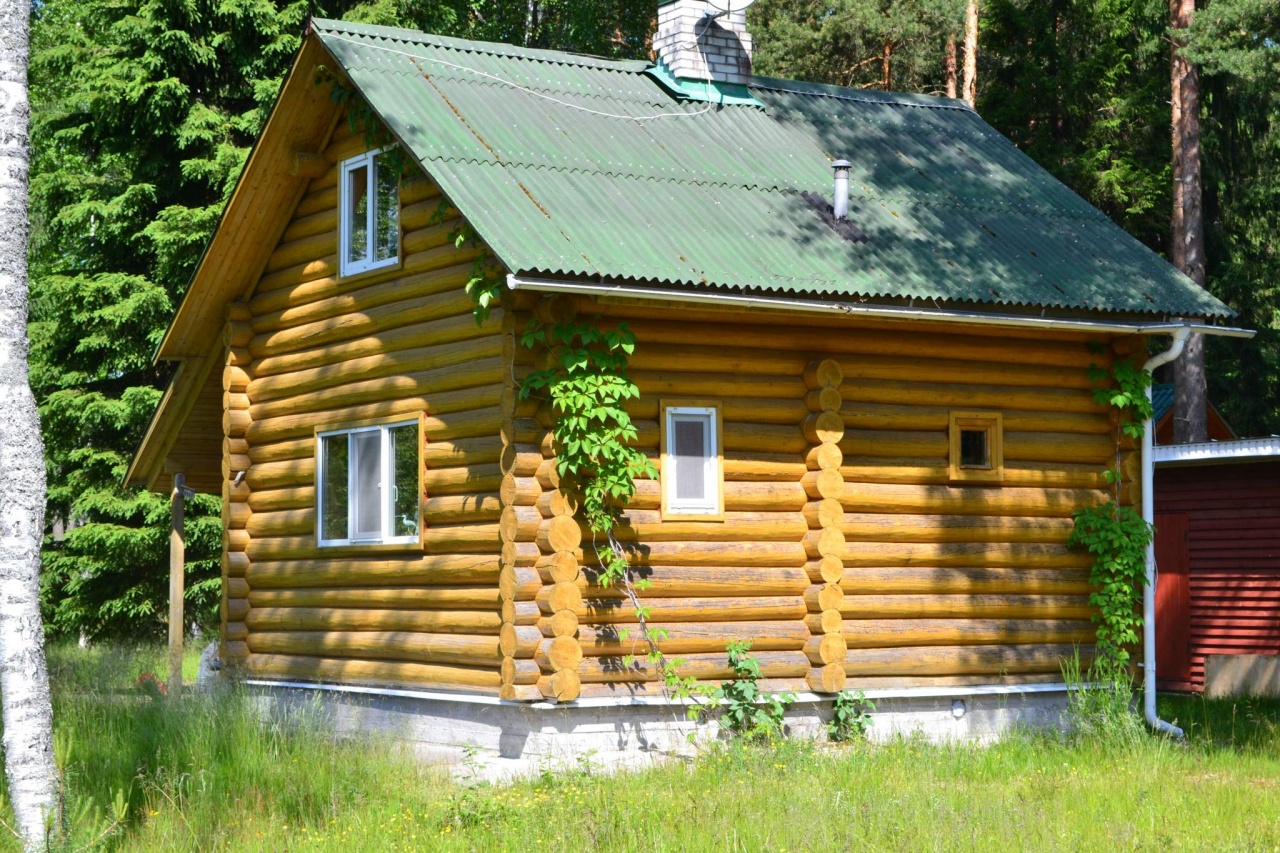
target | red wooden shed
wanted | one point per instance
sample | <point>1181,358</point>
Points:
<point>1217,516</point>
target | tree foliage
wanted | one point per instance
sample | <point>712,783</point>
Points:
<point>143,115</point>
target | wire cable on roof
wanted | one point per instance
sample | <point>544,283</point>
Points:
<point>638,119</point>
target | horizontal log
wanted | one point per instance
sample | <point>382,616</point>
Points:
<point>462,539</point>
<point>601,611</point>
<point>392,645</point>
<point>318,198</point>
<point>470,480</point>
<point>960,579</point>
<point>291,522</point>
<point>409,362</point>
<point>966,607</point>
<point>882,416</point>
<point>341,619</point>
<point>889,633</point>
<point>397,597</point>
<point>880,339</point>
<point>314,223</point>
<point>234,651</point>
<point>985,554</point>
<point>235,631</point>
<point>1058,447</point>
<point>557,568</point>
<point>934,471</point>
<point>739,496</point>
<point>969,500</point>
<point>867,442</point>
<point>1014,372</point>
<point>237,609</point>
<point>478,372</point>
<point>693,637</point>
<point>717,385</point>
<point>364,323</point>
<point>699,666</point>
<point>412,570</point>
<point>654,689</point>
<point>466,413</point>
<point>761,466</point>
<point>461,509</point>
<point>374,672</point>
<point>689,581</point>
<point>310,307</point>
<point>447,330</point>
<point>236,587</point>
<point>738,553</point>
<point>902,527</point>
<point>825,649</point>
<point>270,500</point>
<point>961,660</point>
<point>1001,398</point>
<point>301,250</point>
<point>740,361</point>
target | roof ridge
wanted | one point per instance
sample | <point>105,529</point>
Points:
<point>406,35</point>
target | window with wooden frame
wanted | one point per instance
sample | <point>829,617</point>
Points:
<point>692,467</point>
<point>368,480</point>
<point>369,213</point>
<point>977,447</point>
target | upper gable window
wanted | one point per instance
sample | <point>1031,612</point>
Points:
<point>369,205</point>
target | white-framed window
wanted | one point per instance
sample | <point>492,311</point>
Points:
<point>691,461</point>
<point>369,213</point>
<point>367,484</point>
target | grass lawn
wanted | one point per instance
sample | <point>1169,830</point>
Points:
<point>205,775</point>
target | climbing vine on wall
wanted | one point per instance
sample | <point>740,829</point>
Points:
<point>1115,533</point>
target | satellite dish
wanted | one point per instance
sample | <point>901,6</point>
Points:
<point>730,5</point>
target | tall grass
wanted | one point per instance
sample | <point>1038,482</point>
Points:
<point>206,773</point>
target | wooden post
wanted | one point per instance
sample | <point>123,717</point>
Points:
<point>177,582</point>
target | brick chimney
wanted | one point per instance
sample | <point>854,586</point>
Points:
<point>697,41</point>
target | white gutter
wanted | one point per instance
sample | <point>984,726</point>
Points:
<point>1209,452</point>
<point>729,300</point>
<point>1149,516</point>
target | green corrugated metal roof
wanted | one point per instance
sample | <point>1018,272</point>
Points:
<point>573,166</point>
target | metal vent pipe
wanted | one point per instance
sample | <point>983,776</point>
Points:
<point>840,201</point>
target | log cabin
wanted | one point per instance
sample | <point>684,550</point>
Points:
<point>864,325</point>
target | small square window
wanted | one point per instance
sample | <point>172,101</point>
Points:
<point>369,221</point>
<point>692,472</point>
<point>977,447</point>
<point>367,481</point>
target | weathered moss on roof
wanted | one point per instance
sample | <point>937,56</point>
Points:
<point>572,166</point>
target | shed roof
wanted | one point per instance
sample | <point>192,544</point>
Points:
<point>577,167</point>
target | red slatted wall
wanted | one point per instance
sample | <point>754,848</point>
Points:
<point>1233,546</point>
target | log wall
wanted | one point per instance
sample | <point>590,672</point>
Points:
<point>845,555</point>
<point>307,348</point>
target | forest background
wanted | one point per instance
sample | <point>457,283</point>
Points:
<point>144,113</point>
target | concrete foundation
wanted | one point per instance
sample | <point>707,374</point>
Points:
<point>510,739</point>
<point>1241,675</point>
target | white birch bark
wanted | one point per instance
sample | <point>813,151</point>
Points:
<point>24,677</point>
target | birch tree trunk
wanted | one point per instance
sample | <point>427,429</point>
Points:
<point>1190,385</point>
<point>24,678</point>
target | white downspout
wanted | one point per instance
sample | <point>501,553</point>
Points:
<point>1149,515</point>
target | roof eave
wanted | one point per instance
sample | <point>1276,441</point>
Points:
<point>733,300</point>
